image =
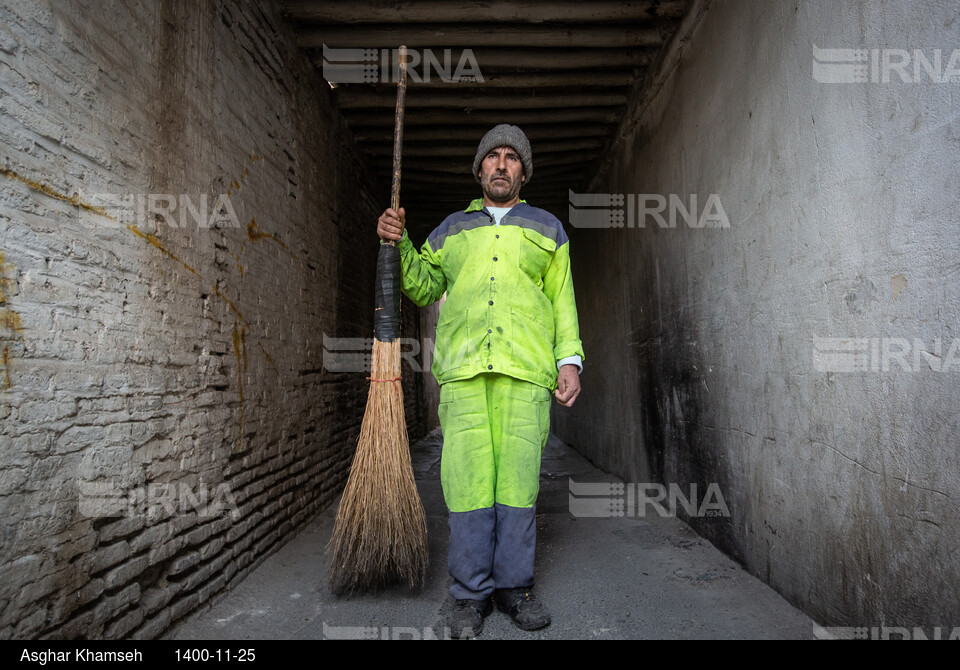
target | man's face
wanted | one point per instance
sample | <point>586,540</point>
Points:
<point>501,175</point>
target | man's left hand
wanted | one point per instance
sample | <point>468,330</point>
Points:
<point>568,385</point>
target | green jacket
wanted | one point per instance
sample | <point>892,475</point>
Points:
<point>510,306</point>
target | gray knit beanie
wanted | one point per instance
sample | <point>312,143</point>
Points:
<point>505,135</point>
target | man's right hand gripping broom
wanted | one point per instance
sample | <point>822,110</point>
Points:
<point>391,223</point>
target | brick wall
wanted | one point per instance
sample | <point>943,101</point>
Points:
<point>149,359</point>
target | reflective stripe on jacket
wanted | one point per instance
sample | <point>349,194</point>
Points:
<point>510,306</point>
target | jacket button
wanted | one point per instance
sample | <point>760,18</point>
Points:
<point>490,303</point>
<point>491,278</point>
<point>489,330</point>
<point>494,258</point>
<point>489,367</point>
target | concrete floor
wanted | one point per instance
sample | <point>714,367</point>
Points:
<point>602,578</point>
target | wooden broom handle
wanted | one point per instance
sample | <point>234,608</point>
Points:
<point>398,131</point>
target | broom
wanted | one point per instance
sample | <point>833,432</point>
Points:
<point>380,534</point>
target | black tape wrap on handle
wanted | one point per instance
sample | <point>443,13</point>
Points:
<point>386,318</point>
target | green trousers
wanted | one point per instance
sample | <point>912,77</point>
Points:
<point>494,430</point>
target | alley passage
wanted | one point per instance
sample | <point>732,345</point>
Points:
<point>602,578</point>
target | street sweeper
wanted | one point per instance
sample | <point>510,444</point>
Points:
<point>507,337</point>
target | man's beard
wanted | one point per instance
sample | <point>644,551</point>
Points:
<point>500,191</point>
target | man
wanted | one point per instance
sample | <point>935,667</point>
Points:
<point>507,336</point>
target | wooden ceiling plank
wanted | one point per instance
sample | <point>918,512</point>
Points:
<point>496,11</point>
<point>433,118</point>
<point>439,36</point>
<point>462,99</point>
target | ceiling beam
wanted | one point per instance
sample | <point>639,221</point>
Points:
<point>537,59</point>
<point>438,36</point>
<point>463,178</point>
<point>487,117</point>
<point>459,99</point>
<point>447,80</point>
<point>519,59</point>
<point>454,166</point>
<point>496,11</point>
<point>469,150</point>
<point>471,134</point>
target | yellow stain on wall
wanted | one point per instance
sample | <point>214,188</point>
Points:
<point>235,184</point>
<point>239,327</point>
<point>254,234</point>
<point>155,241</point>
<point>268,357</point>
<point>11,327</point>
<point>4,281</point>
<point>10,320</point>
<point>229,303</point>
<point>46,190</point>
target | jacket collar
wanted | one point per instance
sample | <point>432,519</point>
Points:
<point>477,205</point>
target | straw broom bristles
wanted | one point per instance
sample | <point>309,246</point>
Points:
<point>380,535</point>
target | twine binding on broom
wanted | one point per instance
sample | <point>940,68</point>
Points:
<point>380,535</point>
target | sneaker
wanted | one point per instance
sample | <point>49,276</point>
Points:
<point>466,620</point>
<point>523,607</point>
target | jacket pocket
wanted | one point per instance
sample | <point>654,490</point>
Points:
<point>535,254</point>
<point>531,342</point>
<point>447,394</point>
<point>452,348</point>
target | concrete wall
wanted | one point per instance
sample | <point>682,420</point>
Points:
<point>150,359</point>
<point>701,344</point>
